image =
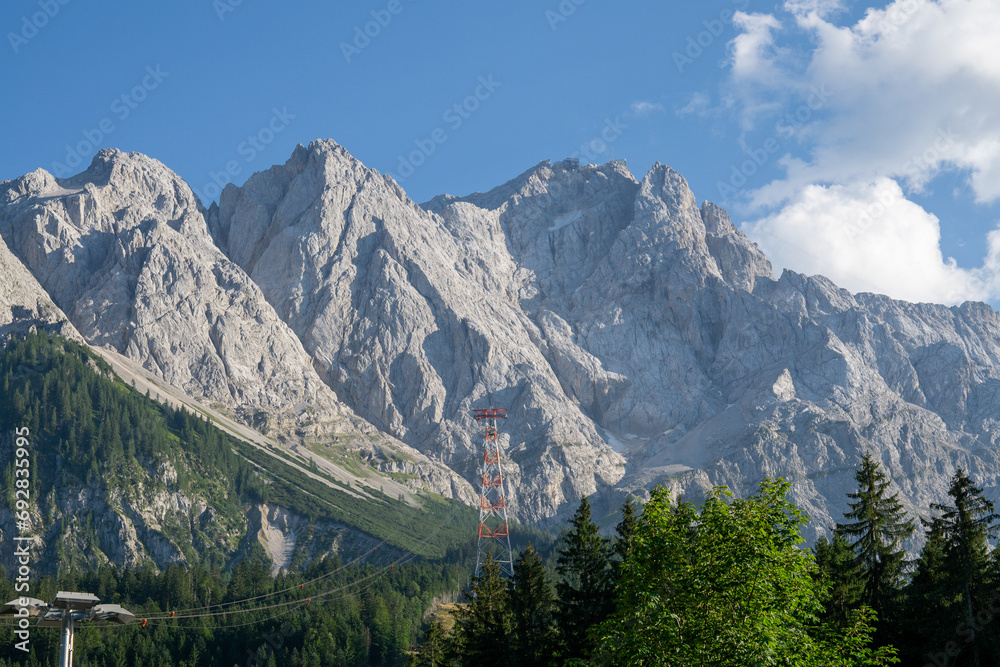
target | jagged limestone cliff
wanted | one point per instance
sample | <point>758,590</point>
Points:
<point>637,337</point>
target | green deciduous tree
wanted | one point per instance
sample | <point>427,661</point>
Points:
<point>726,586</point>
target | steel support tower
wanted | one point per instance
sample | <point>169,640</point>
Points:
<point>494,535</point>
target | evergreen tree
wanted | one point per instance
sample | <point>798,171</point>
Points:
<point>625,531</point>
<point>878,527</point>
<point>433,652</point>
<point>532,604</point>
<point>586,584</point>
<point>483,627</point>
<point>839,569</point>
<point>928,602</point>
<point>966,526</point>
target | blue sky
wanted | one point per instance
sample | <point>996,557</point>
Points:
<point>800,117</point>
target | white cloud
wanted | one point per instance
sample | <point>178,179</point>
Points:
<point>914,90</point>
<point>820,8</point>
<point>750,50</point>
<point>698,104</point>
<point>643,108</point>
<point>867,237</point>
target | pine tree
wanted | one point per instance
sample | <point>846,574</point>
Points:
<point>625,531</point>
<point>532,604</point>
<point>836,562</point>
<point>927,602</point>
<point>432,651</point>
<point>875,535</point>
<point>483,627</point>
<point>965,527</point>
<point>586,585</point>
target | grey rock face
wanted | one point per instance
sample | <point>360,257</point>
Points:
<point>123,249</point>
<point>637,337</point>
<point>672,336</point>
<point>23,302</point>
<point>412,319</point>
<point>284,534</point>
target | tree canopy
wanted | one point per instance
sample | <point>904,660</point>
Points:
<point>878,526</point>
<point>726,586</point>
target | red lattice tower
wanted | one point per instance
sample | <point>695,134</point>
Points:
<point>494,535</point>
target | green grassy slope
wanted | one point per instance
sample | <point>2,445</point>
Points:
<point>91,434</point>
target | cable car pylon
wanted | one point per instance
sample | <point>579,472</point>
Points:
<point>494,533</point>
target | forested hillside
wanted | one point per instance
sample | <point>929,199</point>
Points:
<point>326,614</point>
<point>116,477</point>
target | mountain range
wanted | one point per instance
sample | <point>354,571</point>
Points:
<point>637,337</point>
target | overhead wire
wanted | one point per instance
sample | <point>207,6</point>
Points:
<point>169,618</point>
<point>405,557</point>
<point>221,609</point>
<point>290,588</point>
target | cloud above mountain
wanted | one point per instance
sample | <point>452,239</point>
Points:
<point>910,92</point>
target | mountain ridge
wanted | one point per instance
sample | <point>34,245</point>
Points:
<point>637,337</point>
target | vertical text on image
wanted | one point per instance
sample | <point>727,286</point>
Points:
<point>22,516</point>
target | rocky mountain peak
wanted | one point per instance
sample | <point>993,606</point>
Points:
<point>117,192</point>
<point>665,185</point>
<point>637,337</point>
<point>123,249</point>
<point>300,193</point>
<point>740,260</point>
